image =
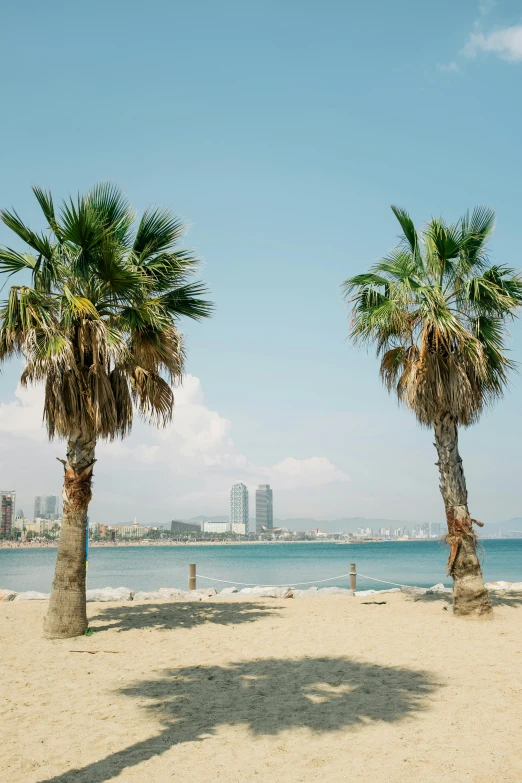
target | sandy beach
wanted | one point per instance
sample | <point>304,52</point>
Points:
<point>378,689</point>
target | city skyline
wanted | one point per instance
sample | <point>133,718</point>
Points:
<point>254,407</point>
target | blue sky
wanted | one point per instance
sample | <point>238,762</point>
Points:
<point>281,132</point>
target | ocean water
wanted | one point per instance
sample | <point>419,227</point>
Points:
<point>419,563</point>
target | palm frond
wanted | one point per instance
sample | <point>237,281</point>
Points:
<point>186,301</point>
<point>411,238</point>
<point>99,324</point>
<point>12,262</point>
<point>436,311</point>
<point>112,210</point>
<point>152,396</point>
<point>159,230</point>
<point>38,242</point>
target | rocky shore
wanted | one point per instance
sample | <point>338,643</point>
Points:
<point>175,594</point>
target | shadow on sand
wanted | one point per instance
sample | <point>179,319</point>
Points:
<point>497,599</point>
<point>267,696</point>
<point>169,616</point>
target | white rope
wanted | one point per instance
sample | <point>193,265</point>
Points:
<point>295,584</point>
<point>256,584</point>
<point>383,581</point>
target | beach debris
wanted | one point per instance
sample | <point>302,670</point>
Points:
<point>373,603</point>
<point>110,594</point>
<point>93,652</point>
<point>31,595</point>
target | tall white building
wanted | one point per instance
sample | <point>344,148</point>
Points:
<point>239,507</point>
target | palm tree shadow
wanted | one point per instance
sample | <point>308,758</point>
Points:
<point>497,599</point>
<point>267,696</point>
<point>171,615</point>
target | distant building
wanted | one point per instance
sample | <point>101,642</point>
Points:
<point>7,511</point>
<point>44,527</point>
<point>131,531</point>
<point>239,528</point>
<point>19,521</point>
<point>239,506</point>
<point>215,527</point>
<point>264,508</point>
<point>46,507</point>
<point>184,527</point>
<point>434,529</point>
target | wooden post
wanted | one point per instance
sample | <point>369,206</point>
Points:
<point>353,577</point>
<point>192,576</point>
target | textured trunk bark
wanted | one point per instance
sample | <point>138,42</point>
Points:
<point>470,597</point>
<point>67,615</point>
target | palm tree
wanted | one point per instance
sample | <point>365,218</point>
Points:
<point>436,310</point>
<point>97,322</point>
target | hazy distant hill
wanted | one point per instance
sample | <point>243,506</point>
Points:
<point>510,526</point>
<point>344,525</point>
<point>350,524</point>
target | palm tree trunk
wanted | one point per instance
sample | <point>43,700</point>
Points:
<point>470,597</point>
<point>66,615</point>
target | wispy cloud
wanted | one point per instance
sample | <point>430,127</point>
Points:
<point>506,43</point>
<point>448,67</point>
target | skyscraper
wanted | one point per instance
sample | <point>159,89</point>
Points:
<point>239,505</point>
<point>7,511</point>
<point>46,507</point>
<point>264,508</point>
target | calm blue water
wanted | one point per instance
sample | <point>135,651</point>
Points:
<point>419,563</point>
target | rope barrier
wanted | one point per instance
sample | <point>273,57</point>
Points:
<point>256,584</point>
<point>296,584</point>
<point>383,581</point>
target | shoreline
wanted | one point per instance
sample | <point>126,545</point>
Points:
<point>17,545</point>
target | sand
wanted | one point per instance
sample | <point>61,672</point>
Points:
<point>332,689</point>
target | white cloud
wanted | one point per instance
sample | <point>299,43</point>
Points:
<point>506,43</point>
<point>314,471</point>
<point>23,415</point>
<point>189,464</point>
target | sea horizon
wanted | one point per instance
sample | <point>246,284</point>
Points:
<point>149,567</point>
